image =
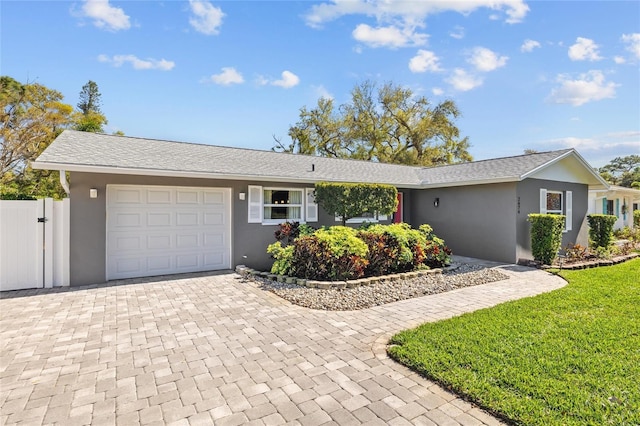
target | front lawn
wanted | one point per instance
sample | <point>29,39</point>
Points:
<point>569,357</point>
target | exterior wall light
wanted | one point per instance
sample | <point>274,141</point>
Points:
<point>93,193</point>
<point>436,202</point>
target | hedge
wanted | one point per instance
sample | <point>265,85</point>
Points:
<point>601,230</point>
<point>546,236</point>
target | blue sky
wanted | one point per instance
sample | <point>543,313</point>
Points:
<point>540,74</point>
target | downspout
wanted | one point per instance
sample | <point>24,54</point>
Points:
<point>64,182</point>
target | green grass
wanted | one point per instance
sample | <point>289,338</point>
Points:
<point>569,357</point>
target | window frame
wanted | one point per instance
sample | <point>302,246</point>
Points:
<point>562,202</point>
<point>301,206</point>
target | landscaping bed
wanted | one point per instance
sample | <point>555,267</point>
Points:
<point>380,292</point>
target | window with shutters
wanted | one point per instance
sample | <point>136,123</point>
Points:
<point>558,202</point>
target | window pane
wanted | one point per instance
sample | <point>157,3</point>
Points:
<point>554,201</point>
<point>283,213</point>
<point>295,197</point>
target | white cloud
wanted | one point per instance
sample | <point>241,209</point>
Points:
<point>462,81</point>
<point>437,91</point>
<point>322,92</point>
<point>529,45</point>
<point>586,88</point>
<point>411,12</point>
<point>619,60</point>
<point>486,60</point>
<point>600,149</point>
<point>227,77</point>
<point>633,43</point>
<point>457,32</point>
<point>137,63</point>
<point>424,61</point>
<point>105,15</point>
<point>287,81</point>
<point>391,36</point>
<point>206,18</point>
<point>584,50</point>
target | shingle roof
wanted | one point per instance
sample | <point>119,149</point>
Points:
<point>496,169</point>
<point>91,152</point>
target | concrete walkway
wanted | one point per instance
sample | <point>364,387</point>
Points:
<point>212,349</point>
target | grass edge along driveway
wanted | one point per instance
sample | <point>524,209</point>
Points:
<point>570,357</point>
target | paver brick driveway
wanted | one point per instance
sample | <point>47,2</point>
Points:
<point>212,349</point>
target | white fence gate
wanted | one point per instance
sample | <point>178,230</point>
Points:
<point>34,244</point>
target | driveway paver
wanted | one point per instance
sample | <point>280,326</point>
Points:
<point>212,349</point>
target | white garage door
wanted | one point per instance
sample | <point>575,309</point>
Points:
<point>157,230</point>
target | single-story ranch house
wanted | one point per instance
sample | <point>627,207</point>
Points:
<point>143,207</point>
<point>617,201</point>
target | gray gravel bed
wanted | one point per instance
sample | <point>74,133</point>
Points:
<point>381,293</point>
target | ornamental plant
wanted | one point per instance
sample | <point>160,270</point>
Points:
<point>601,230</point>
<point>546,236</point>
<point>636,218</point>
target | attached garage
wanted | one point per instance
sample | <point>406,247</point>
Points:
<point>158,230</point>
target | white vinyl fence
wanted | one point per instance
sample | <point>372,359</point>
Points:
<point>34,244</point>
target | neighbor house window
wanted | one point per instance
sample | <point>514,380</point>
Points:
<point>365,217</point>
<point>282,205</point>
<point>610,208</point>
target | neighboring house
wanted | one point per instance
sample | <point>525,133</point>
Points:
<point>143,207</point>
<point>618,201</point>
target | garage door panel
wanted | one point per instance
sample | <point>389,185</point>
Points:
<point>213,198</point>
<point>128,220</point>
<point>214,260</point>
<point>127,196</point>
<point>126,265</point>
<point>187,197</point>
<point>159,219</point>
<point>146,235</point>
<point>127,242</point>
<point>214,218</point>
<point>214,240</point>
<point>159,196</point>
<point>159,264</point>
<point>187,241</point>
<point>159,242</point>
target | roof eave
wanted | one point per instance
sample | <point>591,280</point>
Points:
<point>186,174</point>
<point>469,182</point>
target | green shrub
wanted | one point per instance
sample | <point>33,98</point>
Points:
<point>342,253</point>
<point>349,200</point>
<point>601,230</point>
<point>437,254</point>
<point>546,236</point>
<point>287,232</point>
<point>636,218</point>
<point>283,263</point>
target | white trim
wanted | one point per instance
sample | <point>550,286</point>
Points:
<point>254,203</point>
<point>568,210</point>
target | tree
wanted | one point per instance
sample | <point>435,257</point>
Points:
<point>90,98</point>
<point>622,171</point>
<point>31,117</point>
<point>389,124</point>
<point>349,200</point>
<point>91,118</point>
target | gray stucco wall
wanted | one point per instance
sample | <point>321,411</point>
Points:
<point>88,222</point>
<point>476,221</point>
<point>528,192</point>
